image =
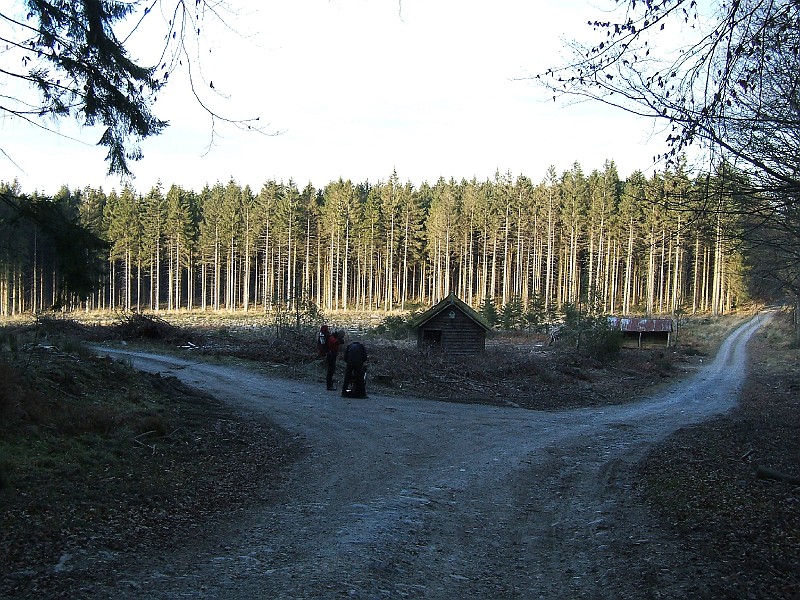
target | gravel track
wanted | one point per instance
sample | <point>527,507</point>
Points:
<point>408,498</point>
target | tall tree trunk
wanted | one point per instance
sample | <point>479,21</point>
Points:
<point>404,287</point>
<point>265,271</point>
<point>696,277</point>
<point>677,284</point>
<point>307,264</point>
<point>550,260</point>
<point>717,295</point>
<point>372,267</point>
<point>389,265</point>
<point>506,274</point>
<point>346,265</point>
<point>628,283</point>
<point>246,275</point>
<point>651,268</point>
<point>493,281</point>
<point>158,275</point>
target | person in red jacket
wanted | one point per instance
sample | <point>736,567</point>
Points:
<point>331,352</point>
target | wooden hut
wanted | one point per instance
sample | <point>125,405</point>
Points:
<point>451,326</point>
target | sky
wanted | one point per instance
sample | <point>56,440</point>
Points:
<point>356,89</point>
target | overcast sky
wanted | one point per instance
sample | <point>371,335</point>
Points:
<point>356,89</point>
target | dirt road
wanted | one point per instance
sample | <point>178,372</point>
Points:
<point>405,498</point>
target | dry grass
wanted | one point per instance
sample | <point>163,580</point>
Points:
<point>95,458</point>
<point>703,334</point>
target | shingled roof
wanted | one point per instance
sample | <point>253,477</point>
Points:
<point>444,304</point>
<point>640,324</point>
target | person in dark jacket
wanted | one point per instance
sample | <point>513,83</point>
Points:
<point>355,356</point>
<point>331,352</point>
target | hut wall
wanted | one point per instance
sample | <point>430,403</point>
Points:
<point>460,334</point>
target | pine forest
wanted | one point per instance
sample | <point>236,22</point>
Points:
<point>648,246</point>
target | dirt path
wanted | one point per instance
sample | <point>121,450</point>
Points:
<point>404,498</point>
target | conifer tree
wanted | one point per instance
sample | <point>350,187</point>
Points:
<point>72,60</point>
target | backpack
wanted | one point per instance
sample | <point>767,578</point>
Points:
<point>356,353</point>
<point>322,343</point>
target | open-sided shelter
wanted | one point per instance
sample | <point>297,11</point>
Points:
<point>644,330</point>
<point>451,326</point>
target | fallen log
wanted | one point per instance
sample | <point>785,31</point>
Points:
<point>767,473</point>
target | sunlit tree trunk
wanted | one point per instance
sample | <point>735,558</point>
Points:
<point>346,264</point>
<point>717,294</point>
<point>550,257</point>
<point>677,284</point>
<point>267,291</point>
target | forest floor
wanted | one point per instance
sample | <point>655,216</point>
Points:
<point>98,460</point>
